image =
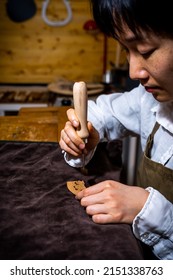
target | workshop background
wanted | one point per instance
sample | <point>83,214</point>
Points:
<point>34,52</point>
<point>46,46</point>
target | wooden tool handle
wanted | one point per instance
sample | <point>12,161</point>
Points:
<point>80,100</point>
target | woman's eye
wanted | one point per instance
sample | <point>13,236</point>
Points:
<point>146,53</point>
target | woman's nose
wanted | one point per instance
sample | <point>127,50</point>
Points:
<point>137,69</point>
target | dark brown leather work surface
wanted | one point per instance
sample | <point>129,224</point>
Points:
<point>41,219</point>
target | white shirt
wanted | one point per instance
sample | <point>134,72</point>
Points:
<point>118,114</point>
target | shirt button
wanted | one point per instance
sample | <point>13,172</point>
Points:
<point>145,235</point>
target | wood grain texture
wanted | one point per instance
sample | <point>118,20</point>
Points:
<point>33,52</point>
<point>34,125</point>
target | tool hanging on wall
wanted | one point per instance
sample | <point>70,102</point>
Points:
<point>20,10</point>
<point>60,22</point>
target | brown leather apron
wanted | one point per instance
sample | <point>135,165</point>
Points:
<point>154,174</point>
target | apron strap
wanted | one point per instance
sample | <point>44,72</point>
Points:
<point>150,139</point>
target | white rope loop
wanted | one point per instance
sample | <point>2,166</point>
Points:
<point>57,23</point>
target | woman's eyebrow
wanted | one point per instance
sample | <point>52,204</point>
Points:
<point>131,39</point>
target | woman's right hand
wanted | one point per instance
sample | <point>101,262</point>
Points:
<point>71,143</point>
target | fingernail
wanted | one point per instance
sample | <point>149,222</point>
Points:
<point>81,146</point>
<point>75,123</point>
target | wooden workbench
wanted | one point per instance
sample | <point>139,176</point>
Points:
<point>34,124</point>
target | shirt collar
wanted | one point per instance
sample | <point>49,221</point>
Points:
<point>164,115</point>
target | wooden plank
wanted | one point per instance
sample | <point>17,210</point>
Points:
<point>35,111</point>
<point>33,52</point>
<point>59,112</point>
<point>36,129</point>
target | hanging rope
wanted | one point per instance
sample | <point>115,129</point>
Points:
<point>57,23</point>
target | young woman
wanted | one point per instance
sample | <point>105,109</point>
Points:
<point>145,29</point>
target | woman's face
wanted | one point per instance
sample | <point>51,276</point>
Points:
<point>151,62</point>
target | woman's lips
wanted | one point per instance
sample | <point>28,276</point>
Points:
<point>152,90</point>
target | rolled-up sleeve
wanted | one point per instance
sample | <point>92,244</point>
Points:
<point>154,225</point>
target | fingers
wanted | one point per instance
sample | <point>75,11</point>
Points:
<point>113,202</point>
<point>102,202</point>
<point>100,214</point>
<point>90,191</point>
<point>72,117</point>
<point>96,208</point>
<point>70,141</point>
<point>103,219</point>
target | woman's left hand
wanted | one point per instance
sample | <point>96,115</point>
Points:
<point>113,202</point>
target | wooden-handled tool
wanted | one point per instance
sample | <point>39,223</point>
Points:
<point>80,100</point>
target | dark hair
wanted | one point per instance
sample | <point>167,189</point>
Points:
<point>147,15</point>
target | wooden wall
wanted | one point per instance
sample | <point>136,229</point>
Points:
<point>32,52</point>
